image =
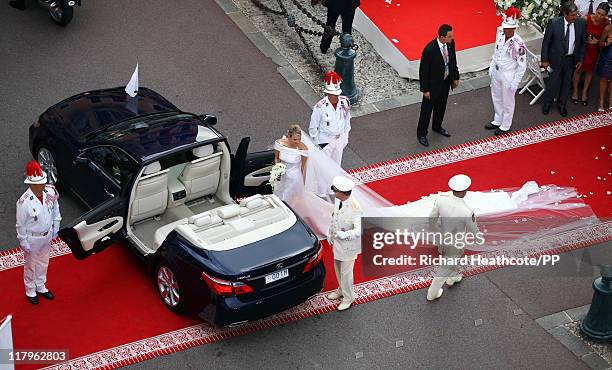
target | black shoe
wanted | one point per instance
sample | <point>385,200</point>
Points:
<point>423,141</point>
<point>324,50</point>
<point>33,300</point>
<point>18,4</point>
<point>563,110</point>
<point>442,132</point>
<point>490,126</point>
<point>546,108</point>
<point>499,131</point>
<point>48,295</point>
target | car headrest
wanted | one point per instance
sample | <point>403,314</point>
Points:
<point>243,202</point>
<point>229,211</point>
<point>201,219</point>
<point>152,168</point>
<point>203,151</point>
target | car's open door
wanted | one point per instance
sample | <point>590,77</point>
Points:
<point>250,171</point>
<point>95,230</point>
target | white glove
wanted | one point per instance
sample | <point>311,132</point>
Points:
<point>342,235</point>
<point>514,86</point>
<point>26,248</point>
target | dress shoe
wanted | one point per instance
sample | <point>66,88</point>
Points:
<point>563,110</point>
<point>499,131</point>
<point>344,305</point>
<point>47,295</point>
<point>334,295</point>
<point>452,280</point>
<point>443,132</point>
<point>436,296</point>
<point>323,50</point>
<point>423,141</point>
<point>490,126</point>
<point>18,4</point>
<point>33,300</point>
<point>546,108</point>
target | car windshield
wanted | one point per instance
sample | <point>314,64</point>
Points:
<point>140,123</point>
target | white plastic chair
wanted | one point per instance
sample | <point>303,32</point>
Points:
<point>536,77</point>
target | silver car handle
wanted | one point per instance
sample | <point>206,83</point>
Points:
<point>109,193</point>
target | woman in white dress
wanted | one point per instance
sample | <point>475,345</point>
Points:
<point>294,155</point>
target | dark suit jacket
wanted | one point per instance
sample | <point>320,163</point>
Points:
<point>431,70</point>
<point>553,44</point>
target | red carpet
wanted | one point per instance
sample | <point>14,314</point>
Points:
<point>474,22</point>
<point>107,311</point>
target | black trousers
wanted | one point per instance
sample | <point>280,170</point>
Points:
<point>437,105</point>
<point>560,82</point>
<point>332,17</point>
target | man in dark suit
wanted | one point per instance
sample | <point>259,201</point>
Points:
<point>438,73</point>
<point>337,8</point>
<point>562,50</point>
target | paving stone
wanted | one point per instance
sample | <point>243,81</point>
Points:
<point>578,313</point>
<point>289,73</point>
<point>551,321</point>
<point>243,22</point>
<point>228,6</point>
<point>574,344</point>
<point>595,362</point>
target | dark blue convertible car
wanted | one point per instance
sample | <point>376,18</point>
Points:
<point>166,182</point>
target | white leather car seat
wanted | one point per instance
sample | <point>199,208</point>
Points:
<point>201,176</point>
<point>151,195</point>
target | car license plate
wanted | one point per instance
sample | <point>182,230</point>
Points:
<point>277,276</point>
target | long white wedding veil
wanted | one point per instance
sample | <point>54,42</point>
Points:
<point>511,218</point>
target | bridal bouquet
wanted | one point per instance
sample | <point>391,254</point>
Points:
<point>276,172</point>
<point>538,12</point>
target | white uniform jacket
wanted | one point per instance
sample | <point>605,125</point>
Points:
<point>328,125</point>
<point>455,217</point>
<point>509,59</point>
<point>348,219</point>
<point>37,223</point>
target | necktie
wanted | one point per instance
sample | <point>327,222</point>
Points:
<point>591,7</point>
<point>445,55</point>
<point>340,206</point>
<point>567,39</point>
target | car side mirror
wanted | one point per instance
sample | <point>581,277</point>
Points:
<point>209,119</point>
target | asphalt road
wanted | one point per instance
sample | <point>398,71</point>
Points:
<point>196,56</point>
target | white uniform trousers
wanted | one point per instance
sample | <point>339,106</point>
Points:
<point>503,99</point>
<point>36,262</point>
<point>445,271</point>
<point>344,275</point>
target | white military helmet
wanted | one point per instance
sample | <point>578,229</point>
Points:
<point>34,174</point>
<point>459,182</point>
<point>342,184</point>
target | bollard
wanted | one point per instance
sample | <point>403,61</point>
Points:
<point>345,67</point>
<point>597,325</point>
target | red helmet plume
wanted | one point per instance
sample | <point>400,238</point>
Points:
<point>332,77</point>
<point>33,169</point>
<point>513,12</point>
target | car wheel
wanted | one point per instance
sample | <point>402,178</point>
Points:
<point>168,287</point>
<point>47,162</point>
<point>61,13</point>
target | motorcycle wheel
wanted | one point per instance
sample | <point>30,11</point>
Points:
<point>61,13</point>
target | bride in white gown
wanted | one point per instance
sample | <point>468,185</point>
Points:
<point>512,215</point>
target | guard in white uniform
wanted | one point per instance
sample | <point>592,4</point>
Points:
<point>455,216</point>
<point>506,71</point>
<point>345,237</point>
<point>38,222</point>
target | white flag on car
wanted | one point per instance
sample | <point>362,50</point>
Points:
<point>6,341</point>
<point>132,87</point>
